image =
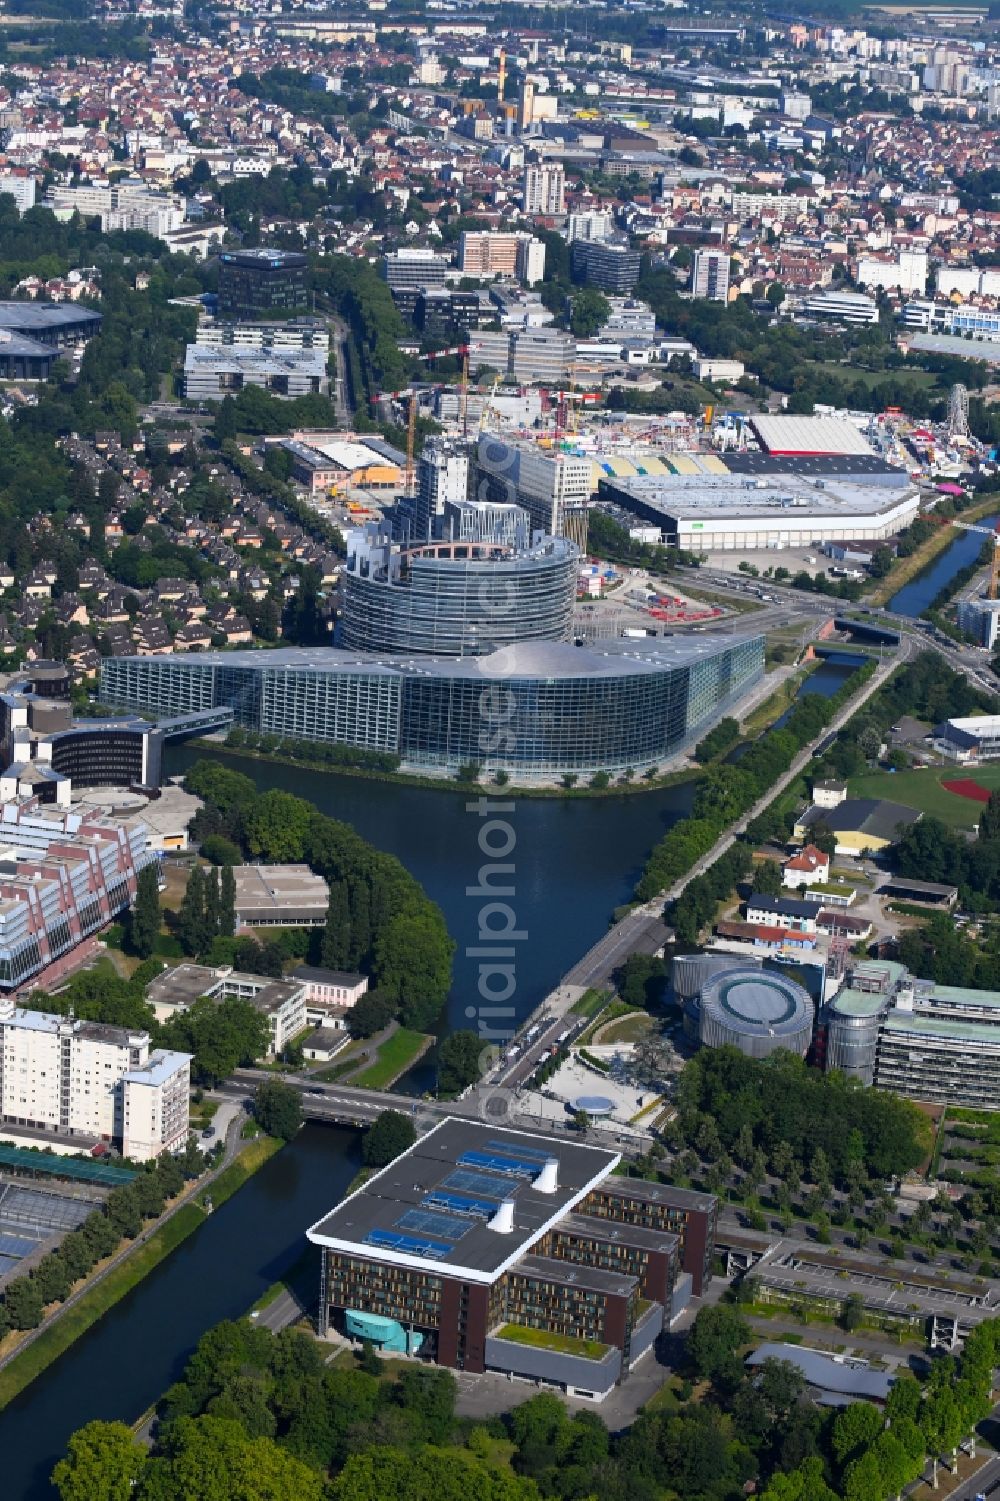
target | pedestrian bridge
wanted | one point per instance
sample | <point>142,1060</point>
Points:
<point>199,722</point>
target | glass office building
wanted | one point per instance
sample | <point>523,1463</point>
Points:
<point>459,598</point>
<point>534,709</point>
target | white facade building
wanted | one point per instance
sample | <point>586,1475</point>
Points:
<point>77,1078</point>
<point>967,281</point>
<point>544,188</point>
<point>710,275</point>
<point>908,272</point>
<point>20,188</point>
<point>543,483</point>
<point>126,206</point>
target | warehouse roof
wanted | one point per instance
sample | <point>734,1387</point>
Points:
<point>862,815</point>
<point>782,433</point>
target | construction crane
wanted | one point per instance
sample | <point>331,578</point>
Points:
<point>462,350</point>
<point>993,532</point>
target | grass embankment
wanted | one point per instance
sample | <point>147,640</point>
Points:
<point>590,1003</point>
<point>486,786</point>
<point>543,1339</point>
<point>69,1326</point>
<point>783,697</point>
<point>398,1053</point>
<point>923,790</point>
<point>904,570</point>
<point>236,1174</point>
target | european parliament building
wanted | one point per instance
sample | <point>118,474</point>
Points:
<point>534,709</point>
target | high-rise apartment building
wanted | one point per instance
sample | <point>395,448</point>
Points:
<point>125,206</point>
<point>612,268</point>
<point>710,275</point>
<point>482,253</point>
<point>71,1078</point>
<point>544,188</point>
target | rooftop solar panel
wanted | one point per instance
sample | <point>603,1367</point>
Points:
<point>413,1245</point>
<point>447,1226</point>
<point>515,1167</point>
<point>526,1154</point>
<point>462,1203</point>
<point>468,1182</point>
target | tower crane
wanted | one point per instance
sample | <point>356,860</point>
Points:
<point>463,350</point>
<point>987,531</point>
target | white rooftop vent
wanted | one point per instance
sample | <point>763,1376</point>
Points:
<point>503,1220</point>
<point>547,1181</point>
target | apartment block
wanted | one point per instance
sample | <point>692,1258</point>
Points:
<point>544,188</point>
<point>66,1079</point>
<point>710,275</point>
<point>482,253</point>
<point>63,876</point>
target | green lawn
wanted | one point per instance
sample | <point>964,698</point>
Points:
<point>395,1056</point>
<point>923,790</point>
<point>543,1339</point>
<point>589,1003</point>
<point>627,1029</point>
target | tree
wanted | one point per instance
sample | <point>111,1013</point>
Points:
<point>641,980</point>
<point>389,1134</point>
<point>863,1479</point>
<point>370,1014</point>
<point>716,1334</point>
<point>103,1463</point>
<point>458,1061</point>
<point>191,915</point>
<point>144,921</point>
<point>227,901</point>
<point>855,1428</point>
<point>989,819</point>
<point>212,907</point>
<point>337,932</point>
<point>277,1108</point>
<point>220,850</point>
<point>23,1301</point>
<point>413,962</point>
<point>767,878</point>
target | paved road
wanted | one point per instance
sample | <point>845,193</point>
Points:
<point>985,1482</point>
<point>285,1310</point>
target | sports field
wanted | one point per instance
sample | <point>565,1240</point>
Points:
<point>923,790</point>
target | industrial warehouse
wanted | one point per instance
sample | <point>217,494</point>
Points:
<point>490,1249</point>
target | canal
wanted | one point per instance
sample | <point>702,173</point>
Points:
<point>575,859</point>
<point>914,597</point>
<point>130,1357</point>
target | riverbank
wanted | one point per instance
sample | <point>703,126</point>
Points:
<point>615,787</point>
<point>124,1270</point>
<point>905,570</point>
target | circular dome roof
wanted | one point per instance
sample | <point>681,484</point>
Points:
<point>755,1010</point>
<point>756,1000</point>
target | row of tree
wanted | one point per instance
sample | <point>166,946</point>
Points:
<point>119,1218</point>
<point>725,792</point>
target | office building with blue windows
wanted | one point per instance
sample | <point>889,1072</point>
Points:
<point>534,709</point>
<point>486,1248</point>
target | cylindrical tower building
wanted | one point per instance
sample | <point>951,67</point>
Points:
<point>755,1011</point>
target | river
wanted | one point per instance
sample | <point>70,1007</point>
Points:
<point>575,859</point>
<point>914,597</point>
<point>130,1357</point>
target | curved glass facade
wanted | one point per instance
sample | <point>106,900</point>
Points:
<point>535,709</point>
<point>459,599</point>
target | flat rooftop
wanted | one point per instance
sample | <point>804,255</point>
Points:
<point>771,496</point>
<point>264,888</point>
<point>430,1209</point>
<point>525,659</point>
